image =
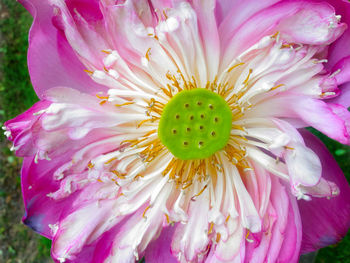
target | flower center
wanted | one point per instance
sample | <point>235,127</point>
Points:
<point>195,124</point>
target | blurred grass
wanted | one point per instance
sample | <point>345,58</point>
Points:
<point>18,243</point>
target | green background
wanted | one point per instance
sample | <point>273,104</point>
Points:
<point>17,242</point>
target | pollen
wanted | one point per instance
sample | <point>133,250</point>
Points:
<point>195,124</point>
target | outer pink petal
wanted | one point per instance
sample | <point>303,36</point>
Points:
<point>325,221</point>
<point>160,249</point>
<point>51,60</point>
<point>41,210</point>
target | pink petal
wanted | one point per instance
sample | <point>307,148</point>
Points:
<point>332,215</point>
<point>302,22</point>
<point>19,129</point>
<point>343,113</point>
<point>338,50</point>
<point>287,217</point>
<point>191,239</point>
<point>290,249</point>
<point>159,250</point>
<point>338,56</point>
<point>344,66</point>
<point>82,226</point>
<point>209,34</point>
<point>50,55</point>
<point>84,31</point>
<point>313,112</point>
<point>41,210</point>
<point>344,98</point>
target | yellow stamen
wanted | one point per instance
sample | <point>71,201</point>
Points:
<point>211,228</point>
<point>119,175</point>
<point>245,82</point>
<point>102,97</point>
<point>124,104</point>
<point>144,212</point>
<point>201,191</point>
<point>275,35</point>
<point>89,71</point>
<point>167,218</point>
<point>148,53</point>
<point>235,66</point>
<point>276,87</point>
<point>111,160</point>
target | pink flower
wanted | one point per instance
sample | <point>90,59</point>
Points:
<point>171,129</point>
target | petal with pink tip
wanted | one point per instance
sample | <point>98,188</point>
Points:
<point>83,226</point>
<point>320,116</point>
<point>191,239</point>
<point>317,17</point>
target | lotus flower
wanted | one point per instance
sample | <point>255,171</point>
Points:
<point>173,130</point>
